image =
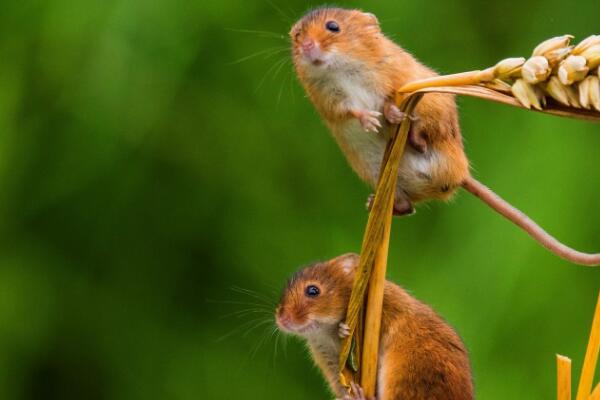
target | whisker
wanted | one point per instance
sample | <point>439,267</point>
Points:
<point>285,344</point>
<point>270,52</point>
<point>286,61</point>
<point>274,333</point>
<point>286,18</point>
<point>277,336</point>
<point>290,83</point>
<point>236,302</point>
<point>263,322</point>
<point>280,90</point>
<point>266,34</point>
<point>267,73</point>
<point>271,286</point>
<point>276,52</point>
<point>252,293</point>
<point>274,289</point>
<point>246,312</point>
<point>292,10</point>
<point>260,343</point>
<point>242,327</point>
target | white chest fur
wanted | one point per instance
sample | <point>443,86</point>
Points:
<point>327,347</point>
<point>358,90</point>
<point>351,83</point>
<point>354,88</point>
<point>325,350</point>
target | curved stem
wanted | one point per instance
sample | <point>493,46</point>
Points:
<point>460,79</point>
<point>372,253</point>
<point>499,97</point>
<point>591,357</point>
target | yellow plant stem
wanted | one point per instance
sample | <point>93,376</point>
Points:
<point>563,377</point>
<point>374,307</point>
<point>372,255</point>
<point>591,357</point>
<point>487,93</point>
<point>460,79</point>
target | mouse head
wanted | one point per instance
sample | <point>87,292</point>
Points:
<point>316,297</point>
<point>326,38</point>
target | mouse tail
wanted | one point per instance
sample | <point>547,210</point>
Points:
<point>528,225</point>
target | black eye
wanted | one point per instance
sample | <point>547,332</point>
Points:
<point>332,26</point>
<point>312,291</point>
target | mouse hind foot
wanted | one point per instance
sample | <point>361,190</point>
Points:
<point>416,138</point>
<point>357,393</point>
<point>402,206</point>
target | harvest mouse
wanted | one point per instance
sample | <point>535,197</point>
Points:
<point>421,357</point>
<point>351,71</point>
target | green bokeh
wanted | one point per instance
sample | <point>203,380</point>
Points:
<point>144,173</point>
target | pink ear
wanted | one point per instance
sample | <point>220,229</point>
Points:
<point>372,17</point>
<point>347,262</point>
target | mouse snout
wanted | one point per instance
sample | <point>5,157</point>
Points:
<point>310,49</point>
<point>308,44</point>
<point>283,317</point>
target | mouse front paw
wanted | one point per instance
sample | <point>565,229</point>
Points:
<point>394,116</point>
<point>343,330</point>
<point>369,120</point>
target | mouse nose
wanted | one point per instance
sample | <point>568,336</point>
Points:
<point>308,45</point>
<point>283,318</point>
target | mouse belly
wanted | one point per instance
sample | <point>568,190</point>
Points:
<point>428,176</point>
<point>363,150</point>
<point>420,176</point>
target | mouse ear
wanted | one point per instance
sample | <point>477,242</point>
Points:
<point>347,262</point>
<point>372,17</point>
<point>293,31</point>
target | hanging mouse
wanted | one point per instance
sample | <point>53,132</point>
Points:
<point>350,71</point>
<point>421,357</point>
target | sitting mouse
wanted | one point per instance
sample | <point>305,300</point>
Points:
<point>420,358</point>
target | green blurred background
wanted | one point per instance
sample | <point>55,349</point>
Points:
<point>148,168</point>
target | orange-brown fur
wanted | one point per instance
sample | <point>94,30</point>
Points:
<point>351,75</point>
<point>387,67</point>
<point>422,358</point>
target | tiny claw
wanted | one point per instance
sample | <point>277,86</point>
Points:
<point>369,120</point>
<point>395,116</point>
<point>369,203</point>
<point>343,330</point>
<point>357,393</point>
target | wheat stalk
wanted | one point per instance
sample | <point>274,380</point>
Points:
<point>558,78</point>
<point>591,358</point>
<point>563,367</point>
<point>563,378</point>
<point>373,256</point>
